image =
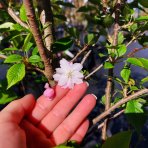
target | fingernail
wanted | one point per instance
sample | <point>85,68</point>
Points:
<point>95,96</point>
<point>87,83</point>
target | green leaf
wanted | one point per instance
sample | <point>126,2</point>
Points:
<point>117,99</point>
<point>66,4</point>
<point>18,27</point>
<point>35,51</point>
<point>108,65</point>
<point>10,49</point>
<point>141,62</point>
<point>69,144</point>
<point>15,74</point>
<point>13,58</point>
<point>134,106</point>
<point>6,96</point>
<point>95,2</point>
<point>108,20</point>
<point>144,80</point>
<point>137,120</point>
<point>125,74</point>
<point>143,40</point>
<point>121,140</point>
<point>141,18</point>
<point>133,88</point>
<point>121,50</point>
<point>73,32</point>
<point>120,38</point>
<point>23,15</point>
<point>103,99</point>
<point>127,12</point>
<point>86,8</point>
<point>62,44</point>
<point>60,17</point>
<point>101,55</point>
<point>26,47</point>
<point>35,59</point>
<point>133,27</point>
<point>6,25</point>
<point>89,38</point>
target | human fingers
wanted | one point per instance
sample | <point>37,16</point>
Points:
<point>44,105</point>
<point>34,137</point>
<point>16,110</point>
<point>80,132</point>
<point>68,127</point>
<point>62,108</point>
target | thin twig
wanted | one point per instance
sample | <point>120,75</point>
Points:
<point>32,67</point>
<point>116,115</point>
<point>133,39</point>
<point>136,50</point>
<point>96,69</point>
<point>79,53</point>
<point>119,103</point>
<point>85,57</point>
<point>38,38</point>
<point>2,56</point>
<point>14,16</point>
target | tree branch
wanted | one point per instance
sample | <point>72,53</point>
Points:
<point>46,18</point>
<point>109,87</point>
<point>119,103</point>
<point>38,38</point>
<point>116,115</point>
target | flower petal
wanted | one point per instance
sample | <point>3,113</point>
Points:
<point>78,74</point>
<point>77,66</point>
<point>69,84</point>
<point>57,77</point>
<point>63,80</point>
<point>65,65</point>
<point>49,92</point>
<point>77,80</point>
<point>68,74</point>
<point>46,85</point>
<point>60,70</point>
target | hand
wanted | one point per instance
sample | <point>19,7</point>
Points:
<point>49,123</point>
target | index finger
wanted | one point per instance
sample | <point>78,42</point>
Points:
<point>44,105</point>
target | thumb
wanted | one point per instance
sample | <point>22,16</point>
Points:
<point>16,110</point>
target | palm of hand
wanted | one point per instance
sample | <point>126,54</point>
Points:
<point>49,123</point>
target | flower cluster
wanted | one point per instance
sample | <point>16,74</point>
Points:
<point>68,74</point>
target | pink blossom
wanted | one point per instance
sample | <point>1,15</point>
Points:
<point>68,74</point>
<point>49,92</point>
